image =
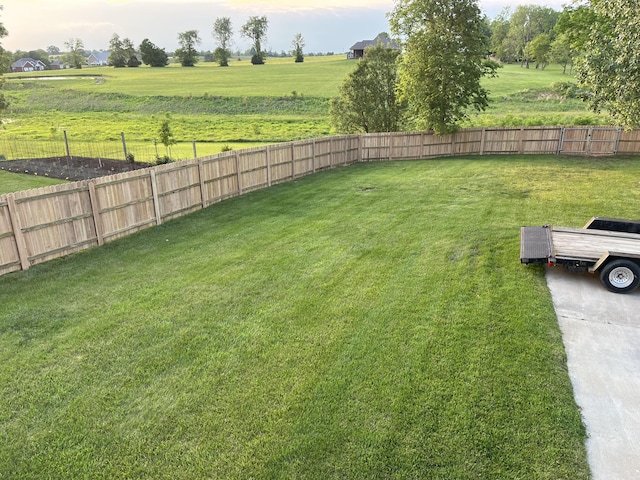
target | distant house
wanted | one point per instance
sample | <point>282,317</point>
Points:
<point>98,59</point>
<point>56,65</point>
<point>357,50</point>
<point>28,65</point>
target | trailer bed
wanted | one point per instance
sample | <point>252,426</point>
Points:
<point>572,243</point>
<point>589,244</point>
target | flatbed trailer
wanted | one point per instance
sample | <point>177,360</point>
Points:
<point>609,247</point>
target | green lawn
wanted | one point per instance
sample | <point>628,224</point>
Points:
<point>367,322</point>
<point>14,182</point>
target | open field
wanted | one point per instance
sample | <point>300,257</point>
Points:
<point>242,105</point>
<point>367,322</point>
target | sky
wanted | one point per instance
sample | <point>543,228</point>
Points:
<point>325,25</point>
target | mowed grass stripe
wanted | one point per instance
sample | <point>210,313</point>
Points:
<point>367,322</point>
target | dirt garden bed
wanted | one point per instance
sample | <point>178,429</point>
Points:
<point>70,168</point>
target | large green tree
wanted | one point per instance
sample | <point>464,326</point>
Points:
<point>187,53</point>
<point>256,30</point>
<point>152,55</point>
<point>443,60</point>
<point>610,64</point>
<point>368,101</point>
<point>222,33</point>
<point>117,55</point>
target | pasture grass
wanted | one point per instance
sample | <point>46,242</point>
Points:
<point>366,322</point>
<point>276,102</point>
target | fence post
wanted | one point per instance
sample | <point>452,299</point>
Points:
<point>482,143</point>
<point>453,143</point>
<point>330,152</point>
<point>359,147</point>
<point>154,192</point>
<point>238,172</point>
<point>268,160</point>
<point>313,155</point>
<point>560,141</point>
<point>521,142</point>
<point>293,161</point>
<point>588,145</point>
<point>124,146</point>
<point>390,146</point>
<point>201,179</point>
<point>66,143</point>
<point>95,209</point>
<point>617,145</point>
<point>195,154</point>
<point>346,150</point>
<point>21,245</point>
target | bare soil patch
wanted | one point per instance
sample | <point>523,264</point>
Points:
<point>70,168</point>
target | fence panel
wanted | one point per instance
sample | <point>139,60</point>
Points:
<point>55,221</point>
<point>125,203</point>
<point>178,188</point>
<point>253,168</point>
<point>629,142</point>
<point>219,177</point>
<point>9,255</point>
<point>281,163</point>
<point>304,160</point>
<point>323,154</point>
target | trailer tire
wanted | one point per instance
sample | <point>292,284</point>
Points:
<point>620,276</point>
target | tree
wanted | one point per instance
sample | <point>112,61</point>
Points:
<point>130,53</point>
<point>53,50</point>
<point>166,137</point>
<point>75,55</point>
<point>368,100</point>
<point>540,48</point>
<point>575,22</point>
<point>256,30</point>
<point>562,53</point>
<point>187,53</point>
<point>609,65</point>
<point>117,55</point>
<point>222,33</point>
<point>298,44</point>
<point>442,63</point>
<point>499,31</point>
<point>152,55</point>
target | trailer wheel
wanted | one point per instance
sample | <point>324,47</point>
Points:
<point>620,276</point>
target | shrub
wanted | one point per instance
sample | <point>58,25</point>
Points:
<point>163,160</point>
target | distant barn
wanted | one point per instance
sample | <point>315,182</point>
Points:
<point>357,50</point>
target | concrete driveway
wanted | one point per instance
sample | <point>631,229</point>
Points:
<point>601,334</point>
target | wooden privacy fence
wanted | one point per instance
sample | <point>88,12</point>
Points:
<point>42,224</point>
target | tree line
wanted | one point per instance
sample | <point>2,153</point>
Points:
<point>123,53</point>
<point>448,46</point>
